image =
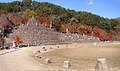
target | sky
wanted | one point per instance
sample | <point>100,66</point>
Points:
<point>104,8</point>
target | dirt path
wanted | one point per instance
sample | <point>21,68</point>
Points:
<point>22,59</point>
<point>18,60</point>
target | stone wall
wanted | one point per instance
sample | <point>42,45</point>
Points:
<point>40,35</point>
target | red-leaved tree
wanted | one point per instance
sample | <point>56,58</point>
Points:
<point>4,25</point>
<point>101,34</point>
<point>18,40</point>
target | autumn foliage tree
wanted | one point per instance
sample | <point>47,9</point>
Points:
<point>14,21</point>
<point>4,25</point>
<point>23,20</point>
<point>18,40</point>
<point>44,21</point>
<point>101,34</point>
<point>85,29</point>
<point>105,37</point>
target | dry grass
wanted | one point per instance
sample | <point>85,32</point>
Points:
<point>83,56</point>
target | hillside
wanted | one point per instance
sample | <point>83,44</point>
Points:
<point>117,18</point>
<point>61,19</point>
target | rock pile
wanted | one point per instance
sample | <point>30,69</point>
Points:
<point>4,20</point>
<point>34,33</point>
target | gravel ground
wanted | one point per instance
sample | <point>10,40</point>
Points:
<point>24,59</point>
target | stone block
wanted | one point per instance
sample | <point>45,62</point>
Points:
<point>95,43</point>
<point>37,52</point>
<point>66,64</point>
<point>44,49</point>
<point>102,65</point>
<point>47,61</point>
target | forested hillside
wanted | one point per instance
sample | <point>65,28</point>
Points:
<point>63,20</point>
<point>118,18</point>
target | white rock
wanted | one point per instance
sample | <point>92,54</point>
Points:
<point>102,65</point>
<point>37,52</point>
<point>37,55</point>
<point>14,45</point>
<point>66,64</point>
<point>47,61</point>
<point>95,43</point>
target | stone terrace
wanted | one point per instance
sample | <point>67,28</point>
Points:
<point>34,33</point>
